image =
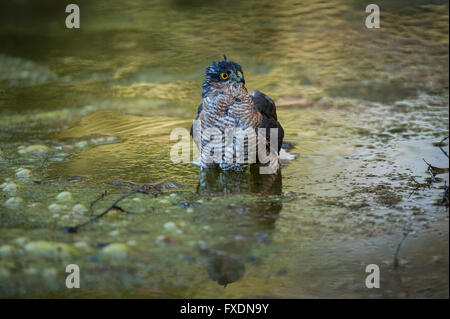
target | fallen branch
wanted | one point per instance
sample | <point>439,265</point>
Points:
<point>91,206</point>
<point>132,186</point>
<point>444,199</point>
<point>146,173</point>
<point>440,146</point>
<point>419,185</point>
<point>433,170</point>
<point>143,189</point>
<point>396,263</point>
<point>123,210</point>
<point>430,170</point>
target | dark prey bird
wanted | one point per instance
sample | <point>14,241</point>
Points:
<point>227,107</point>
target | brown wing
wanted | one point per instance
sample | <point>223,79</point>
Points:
<point>265,105</point>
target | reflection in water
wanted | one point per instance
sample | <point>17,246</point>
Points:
<point>225,263</point>
<point>223,267</point>
<point>218,181</point>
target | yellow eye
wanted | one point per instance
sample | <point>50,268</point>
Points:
<point>224,76</point>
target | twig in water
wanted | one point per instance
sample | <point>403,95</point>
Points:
<point>430,170</point>
<point>396,263</point>
<point>91,207</point>
<point>419,185</point>
<point>143,189</point>
<point>44,159</point>
<point>444,199</point>
<point>146,172</point>
<point>440,146</point>
<point>149,179</point>
<point>123,210</point>
<point>433,170</point>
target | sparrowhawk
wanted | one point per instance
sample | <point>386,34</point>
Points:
<point>229,114</point>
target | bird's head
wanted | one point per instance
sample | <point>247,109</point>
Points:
<point>223,76</point>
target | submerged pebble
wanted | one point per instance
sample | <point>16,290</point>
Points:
<point>88,108</point>
<point>64,197</point>
<point>97,141</point>
<point>61,155</point>
<point>57,159</point>
<point>114,233</point>
<point>49,249</point>
<point>131,242</point>
<point>49,273</point>
<point>4,272</point>
<point>79,209</point>
<point>67,147</point>
<point>18,72</point>
<point>10,188</point>
<point>55,208</point>
<point>163,240</point>
<point>30,271</point>
<point>14,202</point>
<point>116,250</point>
<point>23,173</point>
<point>82,245</point>
<point>170,226</point>
<point>104,140</point>
<point>6,250</point>
<point>81,145</point>
<point>21,241</point>
<point>33,205</point>
<point>111,139</point>
<point>34,150</point>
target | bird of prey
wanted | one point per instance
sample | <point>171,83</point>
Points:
<point>228,107</point>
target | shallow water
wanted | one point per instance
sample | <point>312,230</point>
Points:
<point>363,108</point>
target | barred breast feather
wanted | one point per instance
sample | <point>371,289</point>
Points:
<point>225,111</point>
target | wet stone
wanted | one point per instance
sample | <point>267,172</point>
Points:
<point>23,173</point>
<point>55,208</point>
<point>49,249</point>
<point>34,150</point>
<point>79,209</point>
<point>116,250</point>
<point>10,188</point>
<point>14,202</point>
<point>6,250</point>
<point>64,197</point>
